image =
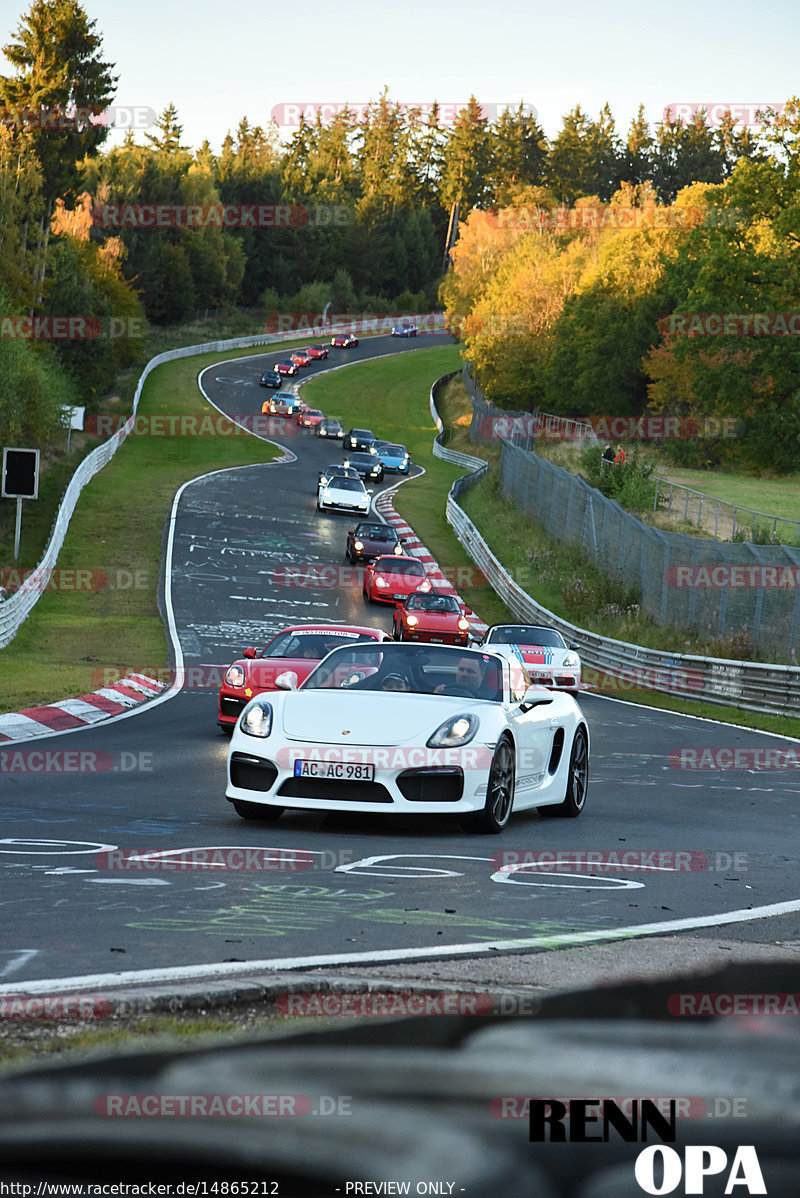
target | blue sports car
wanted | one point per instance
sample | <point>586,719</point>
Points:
<point>395,458</point>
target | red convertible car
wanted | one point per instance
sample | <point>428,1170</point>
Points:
<point>438,619</point>
<point>344,341</point>
<point>301,357</point>
<point>297,649</point>
<point>287,367</point>
<point>317,351</point>
<point>393,579</point>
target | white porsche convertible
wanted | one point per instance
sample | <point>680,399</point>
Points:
<point>411,729</point>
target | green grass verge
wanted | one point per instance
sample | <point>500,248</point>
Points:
<point>774,496</point>
<point>71,637</point>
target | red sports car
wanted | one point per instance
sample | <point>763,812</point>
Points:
<point>310,417</point>
<point>287,367</point>
<point>439,619</point>
<point>301,357</point>
<point>393,579</point>
<point>297,649</point>
<point>344,341</point>
<point>317,351</point>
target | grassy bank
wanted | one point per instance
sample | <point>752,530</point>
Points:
<point>116,533</point>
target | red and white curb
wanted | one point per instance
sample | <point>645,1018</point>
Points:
<point>80,712</point>
<point>414,548</point>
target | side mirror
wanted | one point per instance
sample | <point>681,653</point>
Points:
<point>534,698</point>
<point>287,681</point>
<point>468,611</point>
<point>575,648</point>
<point>249,653</point>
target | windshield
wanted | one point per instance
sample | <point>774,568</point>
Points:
<point>434,603</point>
<point>397,565</point>
<point>526,634</point>
<point>311,642</point>
<point>376,532</point>
<point>422,670</point>
<point>345,483</point>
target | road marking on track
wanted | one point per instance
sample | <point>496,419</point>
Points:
<point>562,940</point>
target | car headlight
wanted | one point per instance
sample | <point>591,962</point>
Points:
<point>323,432</point>
<point>327,495</point>
<point>257,720</point>
<point>358,546</point>
<point>571,661</point>
<point>372,449</point>
<point>463,623</point>
<point>398,550</point>
<point>458,730</point>
<point>425,586</point>
<point>235,676</point>
<point>412,621</point>
<point>381,582</point>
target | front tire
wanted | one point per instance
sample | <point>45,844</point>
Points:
<point>267,815</point>
<point>577,781</point>
<point>499,791</point>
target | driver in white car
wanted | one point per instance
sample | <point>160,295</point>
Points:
<point>469,676</point>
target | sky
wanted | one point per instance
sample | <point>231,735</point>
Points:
<point>218,63</point>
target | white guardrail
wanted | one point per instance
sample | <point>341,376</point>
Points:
<point>754,686</point>
<point>15,610</point>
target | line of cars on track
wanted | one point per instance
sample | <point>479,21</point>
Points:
<point>435,724</point>
<point>295,361</point>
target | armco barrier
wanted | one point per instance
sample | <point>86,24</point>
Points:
<point>14,611</point>
<point>755,686</point>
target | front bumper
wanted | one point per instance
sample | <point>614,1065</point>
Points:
<point>441,789</point>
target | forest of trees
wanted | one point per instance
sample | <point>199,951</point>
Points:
<point>585,303</point>
<point>580,312</point>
